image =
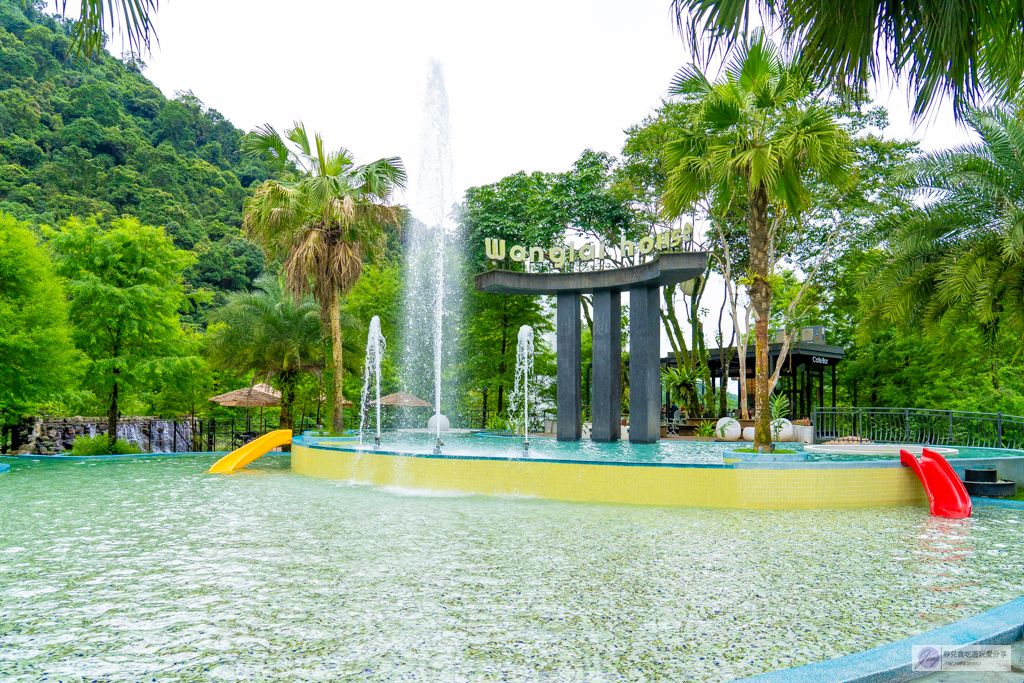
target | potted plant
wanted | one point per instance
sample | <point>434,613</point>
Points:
<point>782,429</point>
<point>705,430</point>
<point>803,430</point>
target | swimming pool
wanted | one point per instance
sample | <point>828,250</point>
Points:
<point>585,450</point>
<point>150,569</point>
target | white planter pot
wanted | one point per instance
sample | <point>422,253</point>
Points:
<point>803,433</point>
<point>782,430</point>
<point>728,429</point>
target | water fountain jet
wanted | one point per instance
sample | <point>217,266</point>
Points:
<point>521,389</point>
<point>375,345</point>
<point>433,266</point>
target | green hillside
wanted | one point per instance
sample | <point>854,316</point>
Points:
<point>85,138</point>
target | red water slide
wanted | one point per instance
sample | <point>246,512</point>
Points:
<point>945,490</point>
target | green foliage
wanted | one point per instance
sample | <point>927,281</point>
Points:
<point>543,208</point>
<point>753,141</point>
<point>960,50</point>
<point>705,428</point>
<point>499,423</point>
<point>38,360</point>
<point>779,407</point>
<point>903,367</point>
<point>269,335</point>
<point>684,387</point>
<point>322,219</point>
<point>959,260</point>
<point>776,451</point>
<point>125,286</point>
<point>100,445</point>
<point>93,137</point>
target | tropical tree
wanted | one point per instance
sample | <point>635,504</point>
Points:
<point>38,360</point>
<point>270,335</point>
<point>126,288</point>
<point>959,260</point>
<point>321,218</point>
<point>961,48</point>
<point>753,141</point>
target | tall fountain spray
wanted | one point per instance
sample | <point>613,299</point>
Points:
<point>433,263</point>
<point>375,345</point>
<point>521,390</point>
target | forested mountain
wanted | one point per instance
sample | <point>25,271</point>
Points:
<point>96,138</point>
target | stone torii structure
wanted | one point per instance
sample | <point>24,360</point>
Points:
<point>643,282</point>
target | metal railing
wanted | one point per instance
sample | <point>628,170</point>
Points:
<point>226,434</point>
<point>918,425</point>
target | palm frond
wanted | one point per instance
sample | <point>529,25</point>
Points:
<point>266,143</point>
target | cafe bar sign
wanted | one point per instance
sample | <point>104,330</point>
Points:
<point>561,255</point>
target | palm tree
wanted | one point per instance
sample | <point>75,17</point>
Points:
<point>322,217</point>
<point>943,47</point>
<point>266,332</point>
<point>959,259</point>
<point>753,140</point>
<point>134,16</point>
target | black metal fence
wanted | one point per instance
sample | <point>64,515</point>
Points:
<point>224,434</point>
<point>918,425</point>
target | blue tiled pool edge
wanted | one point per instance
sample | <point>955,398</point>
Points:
<point>892,663</point>
<point>68,457</point>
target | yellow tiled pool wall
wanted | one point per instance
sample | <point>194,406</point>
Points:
<point>713,487</point>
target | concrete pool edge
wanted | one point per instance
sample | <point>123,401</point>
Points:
<point>750,486</point>
<point>892,663</point>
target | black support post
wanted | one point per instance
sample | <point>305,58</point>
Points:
<point>644,365</point>
<point>606,406</point>
<point>570,369</point>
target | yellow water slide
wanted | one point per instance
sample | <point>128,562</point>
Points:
<point>236,460</point>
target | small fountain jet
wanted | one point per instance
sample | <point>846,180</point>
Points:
<point>521,391</point>
<point>375,345</point>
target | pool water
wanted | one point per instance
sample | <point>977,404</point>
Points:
<point>677,452</point>
<point>546,448</point>
<point>149,569</point>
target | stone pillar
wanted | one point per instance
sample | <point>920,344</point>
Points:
<point>644,365</point>
<point>570,370</point>
<point>606,407</point>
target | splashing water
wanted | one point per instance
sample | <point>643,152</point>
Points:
<point>433,268</point>
<point>521,390</point>
<point>375,345</point>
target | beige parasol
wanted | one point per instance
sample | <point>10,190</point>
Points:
<point>259,396</point>
<point>403,399</point>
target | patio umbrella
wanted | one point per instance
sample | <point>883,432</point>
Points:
<point>258,396</point>
<point>403,399</point>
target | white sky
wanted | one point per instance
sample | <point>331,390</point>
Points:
<point>531,83</point>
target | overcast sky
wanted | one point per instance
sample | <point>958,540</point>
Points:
<point>531,83</point>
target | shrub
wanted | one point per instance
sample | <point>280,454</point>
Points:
<point>100,445</point>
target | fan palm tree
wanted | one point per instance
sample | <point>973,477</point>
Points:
<point>135,17</point>
<point>753,140</point>
<point>321,218</point>
<point>943,47</point>
<point>960,259</point>
<point>268,333</point>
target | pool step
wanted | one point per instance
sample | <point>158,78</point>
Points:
<point>986,484</point>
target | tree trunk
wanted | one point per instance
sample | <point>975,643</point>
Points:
<point>112,415</point>
<point>287,399</point>
<point>761,299</point>
<point>338,417</point>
